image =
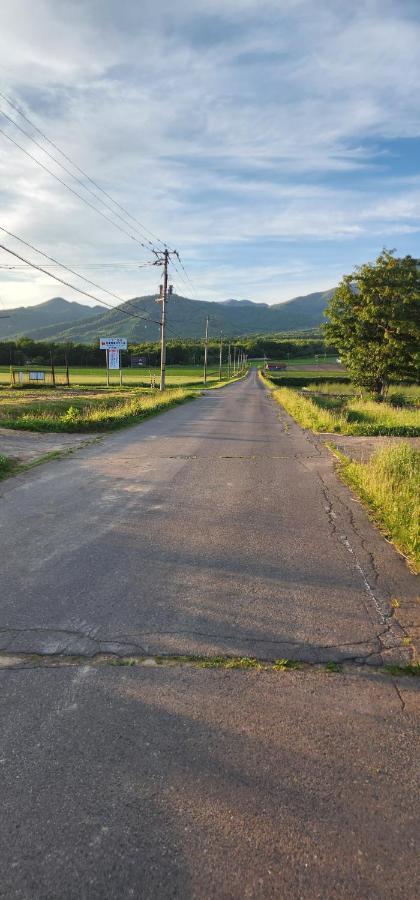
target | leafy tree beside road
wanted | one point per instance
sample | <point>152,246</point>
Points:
<point>374,321</point>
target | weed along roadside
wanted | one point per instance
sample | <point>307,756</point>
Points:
<point>346,414</point>
<point>388,483</point>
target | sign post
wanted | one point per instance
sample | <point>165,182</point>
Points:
<point>113,347</point>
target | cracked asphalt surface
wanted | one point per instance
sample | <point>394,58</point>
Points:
<point>216,528</point>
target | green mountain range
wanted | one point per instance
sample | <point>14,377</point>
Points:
<point>54,314</point>
<point>138,319</point>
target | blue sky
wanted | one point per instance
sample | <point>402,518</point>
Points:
<point>275,144</point>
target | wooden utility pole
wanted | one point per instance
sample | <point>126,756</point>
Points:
<point>206,349</point>
<point>66,361</point>
<point>220,356</point>
<point>229,360</point>
<point>52,367</point>
<point>163,298</point>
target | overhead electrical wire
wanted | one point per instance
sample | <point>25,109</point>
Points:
<point>62,265</point>
<point>73,286</point>
<point>77,167</point>
<point>183,275</point>
<point>68,171</point>
<point>184,270</point>
<point>76,194</point>
<point>88,266</point>
<point>187,280</point>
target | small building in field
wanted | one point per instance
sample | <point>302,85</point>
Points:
<point>275,366</point>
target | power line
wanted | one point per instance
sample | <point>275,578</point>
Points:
<point>19,267</point>
<point>73,286</point>
<point>184,270</point>
<point>61,265</point>
<point>81,171</point>
<point>76,194</point>
<point>69,172</point>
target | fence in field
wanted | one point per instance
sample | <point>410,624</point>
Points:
<point>37,377</point>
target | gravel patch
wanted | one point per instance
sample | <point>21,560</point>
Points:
<point>29,446</point>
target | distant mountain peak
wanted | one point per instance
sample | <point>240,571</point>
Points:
<point>60,320</point>
<point>234,302</point>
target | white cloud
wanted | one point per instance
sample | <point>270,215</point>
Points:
<point>229,124</point>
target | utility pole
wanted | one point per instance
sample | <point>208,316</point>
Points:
<point>234,359</point>
<point>220,356</point>
<point>229,360</point>
<point>164,293</point>
<point>66,362</point>
<point>206,346</point>
<point>52,367</point>
<point>163,299</point>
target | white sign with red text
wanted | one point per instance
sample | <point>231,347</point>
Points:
<point>112,344</point>
<point>113,359</point>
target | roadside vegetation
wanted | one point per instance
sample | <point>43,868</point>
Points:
<point>398,394</point>
<point>372,319</point>
<point>6,466</point>
<point>80,414</point>
<point>347,414</point>
<point>89,376</point>
<point>389,483</point>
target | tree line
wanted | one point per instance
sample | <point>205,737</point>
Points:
<point>187,352</point>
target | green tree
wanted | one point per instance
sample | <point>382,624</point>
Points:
<point>374,321</point>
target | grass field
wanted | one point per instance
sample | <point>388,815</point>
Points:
<point>390,485</point>
<point>342,412</point>
<point>88,411</point>
<point>398,394</point>
<point>91,405</point>
<point>175,375</point>
<point>320,363</point>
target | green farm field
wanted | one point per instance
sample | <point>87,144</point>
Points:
<point>88,404</point>
<point>176,376</point>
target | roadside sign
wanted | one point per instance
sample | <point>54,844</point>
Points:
<point>113,343</point>
<point>113,359</point>
<point>36,376</point>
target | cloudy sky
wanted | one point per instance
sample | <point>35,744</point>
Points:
<point>274,143</point>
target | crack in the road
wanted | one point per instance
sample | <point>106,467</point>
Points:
<point>388,639</point>
<point>400,696</point>
<point>351,666</point>
<point>86,646</point>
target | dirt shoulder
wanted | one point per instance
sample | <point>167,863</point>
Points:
<point>29,446</point>
<point>362,448</point>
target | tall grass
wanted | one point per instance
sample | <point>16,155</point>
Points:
<point>102,414</point>
<point>337,388</point>
<point>368,417</point>
<point>390,484</point>
<point>305,411</point>
<point>358,417</point>
<point>6,466</point>
<point>398,395</point>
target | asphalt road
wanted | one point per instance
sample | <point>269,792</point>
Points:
<point>185,783</point>
<point>216,528</point>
